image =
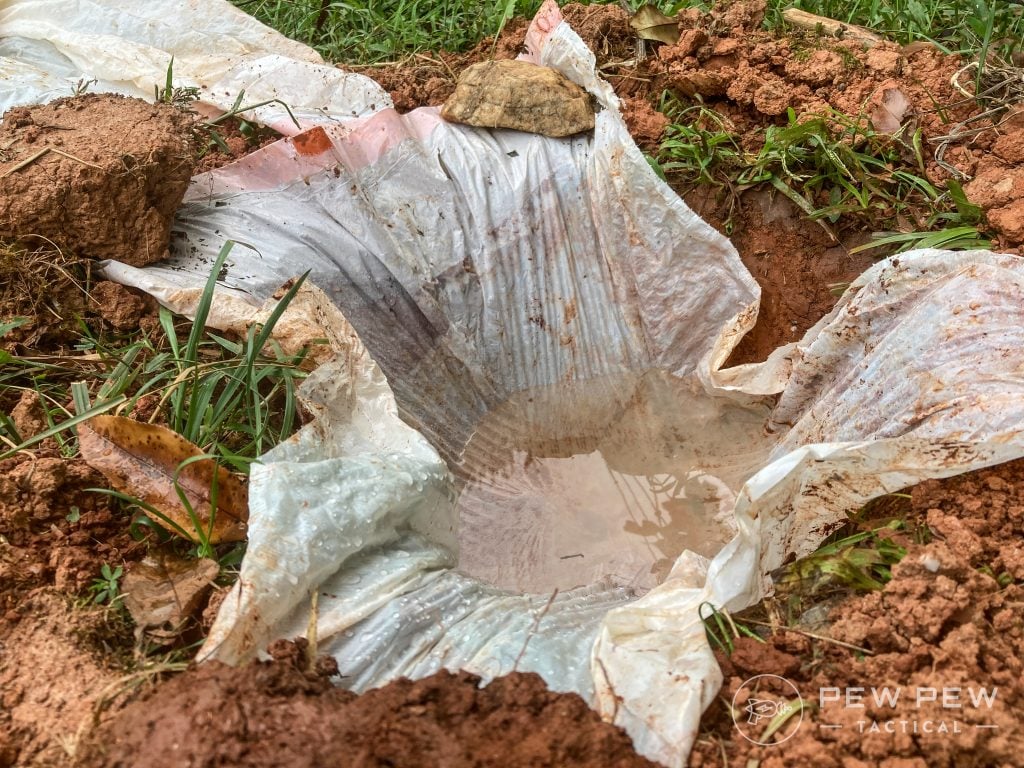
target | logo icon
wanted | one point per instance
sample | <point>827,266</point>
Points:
<point>766,705</point>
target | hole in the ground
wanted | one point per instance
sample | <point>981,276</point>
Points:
<point>609,478</point>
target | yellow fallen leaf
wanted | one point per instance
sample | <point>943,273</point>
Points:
<point>142,460</point>
<point>652,24</point>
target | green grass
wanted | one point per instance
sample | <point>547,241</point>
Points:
<point>235,398</point>
<point>360,32</point>
<point>860,561</point>
<point>956,26</point>
<point>834,168</point>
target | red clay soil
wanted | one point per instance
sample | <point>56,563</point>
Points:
<point>57,653</point>
<point>273,714</point>
<point>801,271</point>
<point>949,619</point>
<point>233,144</point>
<point>98,176</point>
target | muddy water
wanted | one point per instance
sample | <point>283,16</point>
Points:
<point>614,477</point>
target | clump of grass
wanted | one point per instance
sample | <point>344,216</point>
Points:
<point>860,562</point>
<point>363,32</point>
<point>722,629</point>
<point>208,131</point>
<point>834,168</point>
<point>234,398</point>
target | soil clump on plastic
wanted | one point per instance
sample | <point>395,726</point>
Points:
<point>275,714</point>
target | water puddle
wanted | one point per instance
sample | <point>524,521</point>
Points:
<point>564,485</point>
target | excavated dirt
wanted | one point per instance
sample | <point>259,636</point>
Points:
<point>56,532</point>
<point>61,663</point>
<point>273,714</point>
<point>949,619</point>
<point>236,140</point>
<point>98,176</point>
<point>801,271</point>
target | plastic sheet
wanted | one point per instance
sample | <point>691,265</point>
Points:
<point>462,269</point>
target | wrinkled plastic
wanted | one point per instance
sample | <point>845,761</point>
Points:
<point>48,46</point>
<point>457,267</point>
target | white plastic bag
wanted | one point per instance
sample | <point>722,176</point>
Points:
<point>47,46</point>
<point>473,268</point>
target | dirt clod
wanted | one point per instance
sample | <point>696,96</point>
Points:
<point>99,176</point>
<point>117,305</point>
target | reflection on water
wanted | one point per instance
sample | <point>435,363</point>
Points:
<point>562,486</point>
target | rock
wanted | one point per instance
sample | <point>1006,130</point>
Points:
<point>521,96</point>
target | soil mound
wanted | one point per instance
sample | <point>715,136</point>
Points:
<point>949,619</point>
<point>99,176</point>
<point>273,714</point>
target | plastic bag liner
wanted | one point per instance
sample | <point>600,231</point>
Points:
<point>126,46</point>
<point>526,454</point>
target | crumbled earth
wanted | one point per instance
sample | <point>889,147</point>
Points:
<point>97,176</point>
<point>273,714</point>
<point>998,181</point>
<point>950,618</point>
<point>56,532</point>
<point>62,662</point>
<point>234,139</point>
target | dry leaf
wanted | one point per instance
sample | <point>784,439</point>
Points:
<point>142,460</point>
<point>888,112</point>
<point>652,24</point>
<point>163,593</point>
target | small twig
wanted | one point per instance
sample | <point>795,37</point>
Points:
<point>812,22</point>
<point>613,64</point>
<point>69,156</point>
<point>311,631</point>
<point>40,153</point>
<point>533,628</point>
<point>442,61</point>
<point>816,636</point>
<point>26,162</point>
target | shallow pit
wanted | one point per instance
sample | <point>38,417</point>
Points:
<point>607,478</point>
